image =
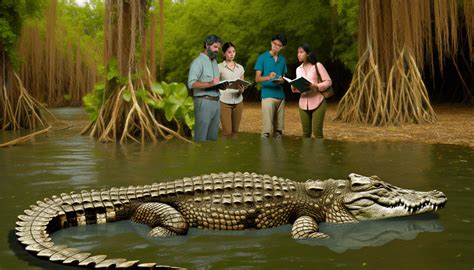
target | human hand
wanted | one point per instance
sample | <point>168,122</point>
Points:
<point>241,88</point>
<point>271,75</point>
<point>224,86</point>
<point>314,87</point>
<point>278,80</point>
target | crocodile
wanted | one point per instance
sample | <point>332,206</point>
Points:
<point>217,201</point>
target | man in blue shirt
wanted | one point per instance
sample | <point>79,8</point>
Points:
<point>269,71</point>
<point>203,75</point>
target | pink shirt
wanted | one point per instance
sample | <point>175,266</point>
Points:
<point>310,100</point>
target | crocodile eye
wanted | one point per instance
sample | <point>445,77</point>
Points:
<point>358,186</point>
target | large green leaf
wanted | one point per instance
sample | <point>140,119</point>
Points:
<point>175,100</point>
<point>170,111</point>
<point>157,88</point>
<point>166,88</point>
<point>189,103</point>
<point>171,89</point>
<point>189,120</point>
<point>181,90</point>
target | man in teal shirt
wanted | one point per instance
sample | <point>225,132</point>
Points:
<point>203,75</point>
<point>269,71</point>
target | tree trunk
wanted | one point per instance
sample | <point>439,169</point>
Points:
<point>396,38</point>
<point>126,114</point>
<point>162,40</point>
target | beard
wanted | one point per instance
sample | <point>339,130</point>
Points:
<point>211,54</point>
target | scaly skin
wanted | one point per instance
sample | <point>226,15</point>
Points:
<point>224,201</point>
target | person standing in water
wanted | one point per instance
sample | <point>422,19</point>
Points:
<point>231,100</point>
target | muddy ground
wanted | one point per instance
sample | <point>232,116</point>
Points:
<point>454,125</point>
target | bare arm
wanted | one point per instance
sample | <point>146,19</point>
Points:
<point>199,84</point>
<point>260,78</point>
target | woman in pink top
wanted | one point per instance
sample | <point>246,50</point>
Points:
<point>312,105</point>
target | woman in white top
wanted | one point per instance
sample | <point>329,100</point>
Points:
<point>231,99</point>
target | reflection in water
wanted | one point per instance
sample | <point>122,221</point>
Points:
<point>272,154</point>
<point>201,247</point>
<point>344,237</point>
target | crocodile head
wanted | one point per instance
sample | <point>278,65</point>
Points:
<point>370,198</point>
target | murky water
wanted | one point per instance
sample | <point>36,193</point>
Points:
<point>66,161</point>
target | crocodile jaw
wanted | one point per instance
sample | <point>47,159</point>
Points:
<point>368,209</point>
<point>374,199</point>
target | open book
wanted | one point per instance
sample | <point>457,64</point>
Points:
<point>237,83</point>
<point>232,84</point>
<point>299,83</point>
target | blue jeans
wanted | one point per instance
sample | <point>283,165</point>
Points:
<point>207,115</point>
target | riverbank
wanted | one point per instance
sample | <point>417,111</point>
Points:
<point>454,125</point>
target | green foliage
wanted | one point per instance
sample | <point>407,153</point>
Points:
<point>249,24</point>
<point>345,39</point>
<point>176,102</point>
<point>93,101</point>
<point>12,15</point>
<point>83,25</point>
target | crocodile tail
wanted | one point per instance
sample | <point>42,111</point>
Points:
<point>77,209</point>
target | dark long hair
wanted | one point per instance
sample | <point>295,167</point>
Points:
<point>311,56</point>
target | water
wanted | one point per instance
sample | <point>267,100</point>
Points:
<point>67,161</point>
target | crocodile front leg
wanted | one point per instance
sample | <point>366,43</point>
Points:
<point>164,219</point>
<point>306,227</point>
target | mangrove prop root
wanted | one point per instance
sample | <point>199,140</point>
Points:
<point>24,138</point>
<point>26,112</point>
<point>403,98</point>
<point>132,120</point>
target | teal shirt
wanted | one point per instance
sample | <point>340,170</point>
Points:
<point>266,64</point>
<point>204,70</point>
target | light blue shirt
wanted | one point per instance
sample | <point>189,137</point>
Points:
<point>266,64</point>
<point>203,69</point>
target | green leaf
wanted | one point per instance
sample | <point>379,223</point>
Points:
<point>181,90</point>
<point>112,70</point>
<point>153,103</point>
<point>174,100</point>
<point>166,88</point>
<point>189,103</point>
<point>142,93</point>
<point>157,88</point>
<point>99,86</point>
<point>170,111</point>
<point>160,104</point>
<point>170,89</point>
<point>189,120</point>
<point>127,96</point>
